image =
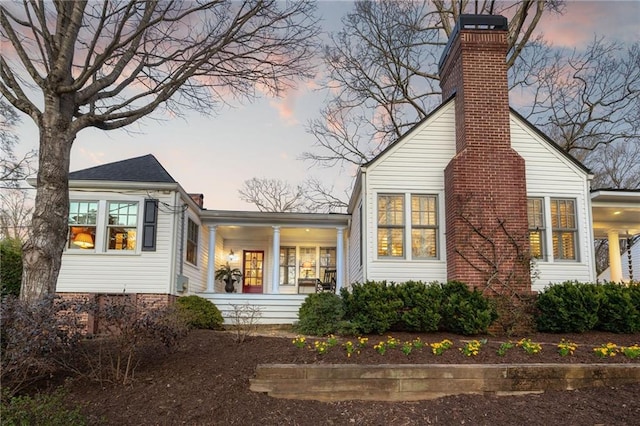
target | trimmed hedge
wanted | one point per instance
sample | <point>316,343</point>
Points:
<point>10,267</point>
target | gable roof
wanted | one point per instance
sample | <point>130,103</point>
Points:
<point>139,169</point>
<point>537,131</point>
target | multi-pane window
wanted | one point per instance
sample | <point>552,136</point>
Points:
<point>424,226</point>
<point>564,229</point>
<point>287,265</point>
<point>307,262</point>
<point>82,224</point>
<point>327,259</point>
<point>535,214</point>
<point>122,225</point>
<point>192,242</point>
<point>391,225</point>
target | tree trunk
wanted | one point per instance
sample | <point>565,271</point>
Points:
<point>42,254</point>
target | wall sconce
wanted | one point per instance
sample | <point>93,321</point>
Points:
<point>83,240</point>
<point>232,256</point>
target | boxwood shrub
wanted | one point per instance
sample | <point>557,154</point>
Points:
<point>320,314</point>
<point>420,306</point>
<point>570,307</point>
<point>618,313</point>
<point>198,312</point>
<point>465,311</point>
<point>371,307</point>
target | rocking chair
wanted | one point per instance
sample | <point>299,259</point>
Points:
<point>328,283</point>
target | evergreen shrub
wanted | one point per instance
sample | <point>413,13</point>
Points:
<point>570,307</point>
<point>618,313</point>
<point>420,306</point>
<point>465,311</point>
<point>371,307</point>
<point>10,267</point>
<point>198,312</point>
<point>320,314</point>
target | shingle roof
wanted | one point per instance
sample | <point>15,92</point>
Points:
<point>139,169</point>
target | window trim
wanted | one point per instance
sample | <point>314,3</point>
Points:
<point>435,227</point>
<point>402,227</point>
<point>101,242</point>
<point>541,229</point>
<point>109,226</point>
<point>574,230</point>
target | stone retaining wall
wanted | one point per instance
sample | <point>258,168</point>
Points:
<point>339,382</point>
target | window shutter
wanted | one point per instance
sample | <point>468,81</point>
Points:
<point>150,225</point>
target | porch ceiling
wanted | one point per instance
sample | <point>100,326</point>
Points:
<point>615,211</point>
<point>233,232</point>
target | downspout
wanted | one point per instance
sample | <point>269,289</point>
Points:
<point>181,250</point>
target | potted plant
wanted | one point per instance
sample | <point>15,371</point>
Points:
<point>229,276</point>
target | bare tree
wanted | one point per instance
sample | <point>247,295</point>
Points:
<point>383,69</point>
<point>16,208</point>
<point>588,102</point>
<point>106,64</point>
<point>273,195</point>
<point>12,169</point>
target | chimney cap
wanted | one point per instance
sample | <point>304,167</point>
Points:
<point>474,22</point>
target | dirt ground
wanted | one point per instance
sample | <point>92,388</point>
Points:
<point>206,382</point>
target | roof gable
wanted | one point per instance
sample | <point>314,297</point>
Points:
<point>139,169</point>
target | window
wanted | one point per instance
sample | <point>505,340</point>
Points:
<point>424,226</point>
<point>287,265</point>
<point>307,262</point>
<point>122,226</point>
<point>82,224</point>
<point>192,242</point>
<point>535,213</point>
<point>327,259</point>
<point>390,225</point>
<point>563,223</point>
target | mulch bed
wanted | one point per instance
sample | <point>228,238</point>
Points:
<point>206,381</point>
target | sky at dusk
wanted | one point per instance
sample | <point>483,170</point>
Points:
<point>215,155</point>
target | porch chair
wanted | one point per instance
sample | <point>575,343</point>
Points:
<point>328,283</point>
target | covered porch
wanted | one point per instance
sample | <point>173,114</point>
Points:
<point>616,216</point>
<point>273,253</point>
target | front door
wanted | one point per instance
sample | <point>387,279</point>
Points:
<point>253,261</point>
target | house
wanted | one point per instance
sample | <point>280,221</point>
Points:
<point>473,192</point>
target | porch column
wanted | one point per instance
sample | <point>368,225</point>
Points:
<point>276,260</point>
<point>211,261</point>
<point>339,259</point>
<point>615,266</point>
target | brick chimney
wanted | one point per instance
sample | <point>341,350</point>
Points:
<point>198,199</point>
<point>485,183</point>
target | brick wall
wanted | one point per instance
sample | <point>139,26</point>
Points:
<point>90,321</point>
<point>485,183</point>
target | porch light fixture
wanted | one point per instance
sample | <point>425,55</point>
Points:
<point>83,240</point>
<point>232,256</point>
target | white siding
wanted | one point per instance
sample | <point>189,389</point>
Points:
<point>139,272</point>
<point>551,175</point>
<point>355,263</point>
<point>415,165</point>
<point>197,274</point>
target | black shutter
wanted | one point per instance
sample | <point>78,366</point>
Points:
<point>149,225</point>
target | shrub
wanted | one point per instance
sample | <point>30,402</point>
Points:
<point>199,313</point>
<point>10,267</point>
<point>320,314</point>
<point>420,306</point>
<point>42,409</point>
<point>617,312</point>
<point>570,307</point>
<point>464,311</point>
<point>244,320</point>
<point>35,339</point>
<point>371,307</point>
